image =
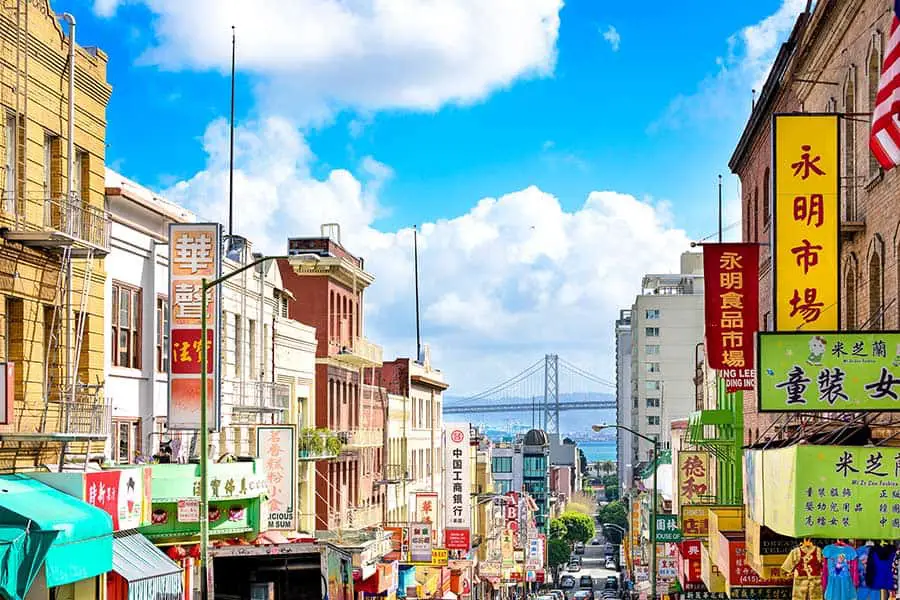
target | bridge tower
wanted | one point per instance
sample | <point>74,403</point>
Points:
<point>551,393</point>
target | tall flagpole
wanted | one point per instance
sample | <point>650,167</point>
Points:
<point>231,151</point>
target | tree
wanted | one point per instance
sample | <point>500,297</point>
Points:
<point>557,554</point>
<point>615,513</point>
<point>579,527</point>
<point>608,467</point>
<point>557,529</point>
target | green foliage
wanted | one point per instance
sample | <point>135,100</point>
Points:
<point>579,527</point>
<point>615,513</point>
<point>557,552</point>
<point>557,529</point>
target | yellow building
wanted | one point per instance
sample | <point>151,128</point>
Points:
<point>54,233</point>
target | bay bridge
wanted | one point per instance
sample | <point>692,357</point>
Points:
<point>546,388</point>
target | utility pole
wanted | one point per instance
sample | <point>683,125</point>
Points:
<point>720,209</point>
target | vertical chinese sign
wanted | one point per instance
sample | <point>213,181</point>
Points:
<point>427,507</point>
<point>458,487</point>
<point>195,253</point>
<point>276,445</point>
<point>694,486</point>
<point>420,544</point>
<point>731,296</point>
<point>806,220</point>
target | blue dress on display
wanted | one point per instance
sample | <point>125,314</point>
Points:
<point>865,592</point>
<point>840,572</point>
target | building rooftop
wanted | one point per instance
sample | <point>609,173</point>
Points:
<point>118,184</point>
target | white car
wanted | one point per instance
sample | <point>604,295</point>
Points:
<point>611,565</point>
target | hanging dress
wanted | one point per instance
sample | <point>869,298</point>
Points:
<point>805,563</point>
<point>840,576</point>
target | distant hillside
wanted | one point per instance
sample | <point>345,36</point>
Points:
<point>575,421</point>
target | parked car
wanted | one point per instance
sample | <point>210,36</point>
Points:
<point>583,595</point>
<point>575,558</point>
<point>579,548</point>
<point>611,564</point>
<point>586,581</point>
<point>566,582</point>
<point>595,542</point>
<point>558,594</point>
<point>574,567</point>
<point>545,597</point>
<point>611,583</point>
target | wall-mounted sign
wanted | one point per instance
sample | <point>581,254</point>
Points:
<point>420,542</point>
<point>188,511</point>
<point>667,528</point>
<point>119,493</point>
<point>829,371</point>
<point>195,254</point>
<point>276,446</point>
<point>427,507</point>
<point>458,484</point>
<point>805,244</point>
<point>693,477</point>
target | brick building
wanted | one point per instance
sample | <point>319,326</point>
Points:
<point>327,293</point>
<point>830,63</point>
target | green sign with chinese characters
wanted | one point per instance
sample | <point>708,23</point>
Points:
<point>667,528</point>
<point>837,492</point>
<point>828,371</point>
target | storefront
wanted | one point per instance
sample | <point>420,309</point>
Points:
<point>50,540</point>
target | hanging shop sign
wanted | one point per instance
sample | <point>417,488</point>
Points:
<point>693,477</point>
<point>759,593</point>
<point>420,542</point>
<point>832,491</point>
<point>694,521</point>
<point>731,292</point>
<point>740,574</point>
<point>689,565</point>
<point>440,557</point>
<point>277,446</point>
<point>427,507</point>
<point>399,543</point>
<point>667,529</point>
<point>806,217</point>
<point>195,254</point>
<point>829,371</point>
<point>458,484</point>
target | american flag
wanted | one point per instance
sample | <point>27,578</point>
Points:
<point>885,138</point>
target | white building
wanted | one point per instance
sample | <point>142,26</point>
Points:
<point>507,466</point>
<point>666,327</point>
<point>624,406</point>
<point>268,360</point>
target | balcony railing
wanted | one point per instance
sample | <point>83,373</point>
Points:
<point>362,438</point>
<point>318,444</point>
<point>358,352</point>
<point>68,218</point>
<point>87,415</point>
<point>257,396</point>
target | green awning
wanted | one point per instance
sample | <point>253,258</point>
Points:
<point>82,547</point>
<point>22,552</point>
<point>150,573</point>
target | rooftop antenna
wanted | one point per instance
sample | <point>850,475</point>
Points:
<point>419,357</point>
<point>231,141</point>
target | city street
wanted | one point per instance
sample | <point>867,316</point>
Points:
<point>592,563</point>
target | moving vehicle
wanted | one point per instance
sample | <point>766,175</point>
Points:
<point>595,542</point>
<point>558,594</point>
<point>566,582</point>
<point>573,566</point>
<point>583,595</point>
<point>579,548</point>
<point>575,558</point>
<point>545,597</point>
<point>612,583</point>
<point>586,581</point>
<point>611,564</point>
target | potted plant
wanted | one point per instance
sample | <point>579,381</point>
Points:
<point>316,442</point>
<point>332,443</point>
<point>305,441</point>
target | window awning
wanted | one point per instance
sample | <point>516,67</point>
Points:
<point>22,552</point>
<point>82,546</point>
<point>150,573</point>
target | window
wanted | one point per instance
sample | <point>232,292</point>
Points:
<point>126,326</point>
<point>267,351</point>
<point>651,331</point>
<point>534,466</point>
<point>251,356</point>
<point>653,420</point>
<point>652,402</point>
<point>9,166</point>
<point>502,486</point>
<point>766,208</point>
<point>876,314</point>
<point>238,346</point>
<point>126,442</point>
<point>651,349</point>
<point>653,367</point>
<point>874,73</point>
<point>754,215</point>
<point>849,141</point>
<point>162,334</point>
<point>651,313</point>
<point>502,464</point>
<point>653,384</point>
<point>81,175</point>
<point>850,298</point>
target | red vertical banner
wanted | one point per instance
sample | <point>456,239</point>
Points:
<point>731,288</point>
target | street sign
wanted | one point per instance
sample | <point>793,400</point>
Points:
<point>667,528</point>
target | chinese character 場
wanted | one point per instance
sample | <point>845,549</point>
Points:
<point>808,308</point>
<point>807,255</point>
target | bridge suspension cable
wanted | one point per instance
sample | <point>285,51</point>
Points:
<point>509,383</point>
<point>582,373</point>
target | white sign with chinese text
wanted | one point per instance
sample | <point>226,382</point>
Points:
<point>427,507</point>
<point>188,511</point>
<point>276,446</point>
<point>420,542</point>
<point>195,255</point>
<point>458,484</point>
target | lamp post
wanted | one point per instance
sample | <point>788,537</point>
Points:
<point>655,441</point>
<point>205,286</point>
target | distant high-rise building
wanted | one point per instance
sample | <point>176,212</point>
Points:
<point>623,398</point>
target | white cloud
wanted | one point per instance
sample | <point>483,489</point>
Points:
<point>312,57</point>
<point>105,8</point>
<point>511,279</point>
<point>612,36</point>
<point>745,66</point>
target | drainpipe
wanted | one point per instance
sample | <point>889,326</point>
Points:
<point>70,317</point>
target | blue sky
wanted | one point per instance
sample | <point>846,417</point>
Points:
<point>650,112</point>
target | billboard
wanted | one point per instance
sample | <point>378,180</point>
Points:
<point>276,445</point>
<point>806,219</point>
<point>731,298</point>
<point>694,485</point>
<point>829,371</point>
<point>458,483</point>
<point>195,254</point>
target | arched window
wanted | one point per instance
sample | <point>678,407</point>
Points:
<point>876,316</point>
<point>766,202</point>
<point>873,70</point>
<point>850,297</point>
<point>754,214</point>
<point>849,141</point>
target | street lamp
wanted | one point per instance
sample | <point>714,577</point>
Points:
<point>205,286</point>
<point>655,441</point>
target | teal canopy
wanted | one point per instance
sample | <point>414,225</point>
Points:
<point>81,546</point>
<point>22,551</point>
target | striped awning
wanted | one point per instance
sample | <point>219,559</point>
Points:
<point>150,573</point>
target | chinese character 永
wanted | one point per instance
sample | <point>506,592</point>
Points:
<point>807,306</point>
<point>845,464</point>
<point>831,385</point>
<point>807,255</point>
<point>193,252</point>
<point>730,261</point>
<point>807,163</point>
<point>795,385</point>
<point>809,208</point>
<point>884,386</point>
